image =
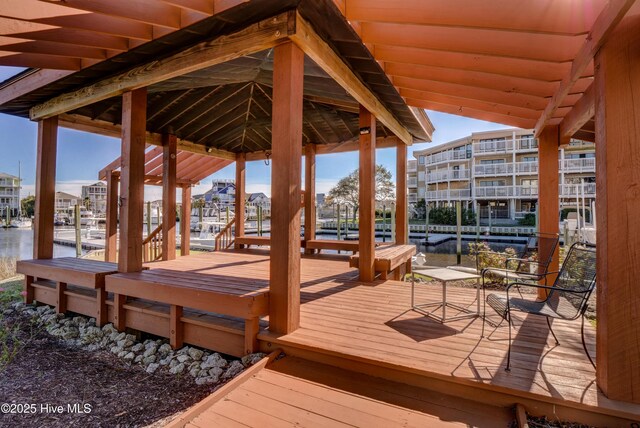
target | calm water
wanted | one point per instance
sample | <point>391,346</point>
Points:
<point>18,243</point>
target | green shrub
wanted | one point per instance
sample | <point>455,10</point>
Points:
<point>528,220</point>
<point>447,216</point>
<point>481,254</point>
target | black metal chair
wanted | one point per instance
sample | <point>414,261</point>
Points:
<point>567,299</point>
<point>528,266</point>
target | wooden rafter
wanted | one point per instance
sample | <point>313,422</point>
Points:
<point>582,112</point>
<point>318,50</point>
<point>603,26</point>
<point>257,37</point>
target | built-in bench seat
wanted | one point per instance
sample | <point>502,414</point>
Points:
<point>248,241</point>
<point>390,259</point>
<point>331,244</point>
<point>201,309</point>
<point>48,281</point>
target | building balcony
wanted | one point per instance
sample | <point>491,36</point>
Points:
<point>505,146</point>
<point>446,156</point>
<point>448,175</point>
<point>577,190</point>
<point>579,165</point>
<point>10,193</point>
<point>412,182</point>
<point>412,166</point>
<point>412,198</point>
<point>497,169</point>
<point>505,192</point>
<point>449,194</point>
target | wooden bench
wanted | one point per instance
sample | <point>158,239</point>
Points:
<point>332,244</point>
<point>219,296</point>
<point>247,241</point>
<point>47,281</point>
<point>394,259</point>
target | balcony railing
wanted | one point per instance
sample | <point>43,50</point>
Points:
<point>448,156</point>
<point>448,175</point>
<point>412,166</point>
<point>494,191</point>
<point>575,190</point>
<point>579,165</point>
<point>8,193</point>
<point>412,182</point>
<point>449,194</point>
<point>412,198</point>
<point>505,146</point>
<point>506,169</point>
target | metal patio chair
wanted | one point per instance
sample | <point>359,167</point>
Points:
<point>524,267</point>
<point>567,298</point>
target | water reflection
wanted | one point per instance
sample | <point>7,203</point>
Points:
<point>18,243</point>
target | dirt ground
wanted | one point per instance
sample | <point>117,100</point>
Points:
<point>47,373</point>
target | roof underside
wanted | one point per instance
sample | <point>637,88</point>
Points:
<point>248,79</point>
<point>228,106</point>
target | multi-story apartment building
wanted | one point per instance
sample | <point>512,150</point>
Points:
<point>97,194</point>
<point>9,194</point>
<point>498,170</point>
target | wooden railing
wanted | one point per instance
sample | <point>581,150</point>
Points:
<point>224,238</point>
<point>152,245</point>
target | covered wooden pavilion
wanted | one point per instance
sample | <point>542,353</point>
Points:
<point>240,80</point>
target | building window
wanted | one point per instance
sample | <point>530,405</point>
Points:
<point>421,159</point>
<point>530,159</point>
<point>529,182</point>
<point>491,161</point>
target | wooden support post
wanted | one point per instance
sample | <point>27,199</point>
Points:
<point>134,112</point>
<point>101,307</point>
<point>367,195</point>
<point>617,94</point>
<point>176,328</point>
<point>28,290</point>
<point>309,194</point>
<point>240,197</point>
<point>548,199</point>
<point>45,188</point>
<point>169,168</point>
<point>61,298</point>
<point>402,227</point>
<point>111,240</point>
<point>185,221</point>
<point>284,277</point>
<point>119,320</point>
<point>251,330</point>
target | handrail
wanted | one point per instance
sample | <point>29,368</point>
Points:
<point>224,238</point>
<point>152,245</point>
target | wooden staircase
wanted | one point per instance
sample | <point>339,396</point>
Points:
<point>224,238</point>
<point>152,245</point>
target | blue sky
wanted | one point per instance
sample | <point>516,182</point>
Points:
<point>82,155</point>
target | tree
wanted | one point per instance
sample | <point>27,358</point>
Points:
<point>28,205</point>
<point>346,191</point>
<point>87,203</point>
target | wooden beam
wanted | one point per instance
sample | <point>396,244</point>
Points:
<point>169,168</point>
<point>617,100</point>
<point>612,14</point>
<point>310,193</point>
<point>367,195</point>
<point>45,188</point>
<point>582,112</point>
<point>548,199</point>
<point>134,109</point>
<point>82,123</point>
<point>284,276</point>
<point>402,232</point>
<point>240,196</point>
<point>28,82</point>
<point>323,55</point>
<point>257,37</point>
<point>111,234</point>
<point>185,221</point>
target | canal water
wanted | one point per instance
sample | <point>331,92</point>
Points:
<point>18,243</point>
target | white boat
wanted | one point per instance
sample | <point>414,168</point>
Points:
<point>24,223</point>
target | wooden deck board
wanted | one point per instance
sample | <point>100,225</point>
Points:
<point>296,392</point>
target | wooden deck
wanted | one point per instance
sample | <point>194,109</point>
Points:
<point>368,328</point>
<point>296,392</point>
